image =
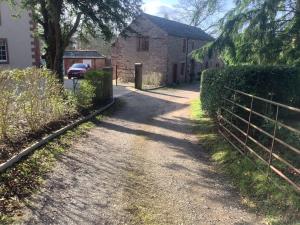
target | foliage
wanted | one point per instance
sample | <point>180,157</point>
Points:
<point>259,32</point>
<point>153,80</point>
<point>59,20</point>
<point>102,81</point>
<point>94,42</point>
<point>85,95</point>
<point>280,81</point>
<point>31,99</point>
<point>279,206</point>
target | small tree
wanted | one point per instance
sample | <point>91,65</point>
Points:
<point>59,20</point>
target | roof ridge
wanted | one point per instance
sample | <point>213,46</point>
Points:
<point>176,28</point>
<point>173,21</point>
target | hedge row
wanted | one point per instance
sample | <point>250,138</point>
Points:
<point>95,89</point>
<point>282,82</point>
<point>31,99</point>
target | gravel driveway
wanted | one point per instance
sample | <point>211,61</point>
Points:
<point>142,165</point>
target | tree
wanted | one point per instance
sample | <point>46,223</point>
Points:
<point>59,20</point>
<point>259,32</point>
<point>200,13</point>
<point>94,43</point>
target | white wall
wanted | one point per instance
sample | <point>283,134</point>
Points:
<point>18,35</point>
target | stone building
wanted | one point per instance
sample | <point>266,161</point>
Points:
<point>163,49</point>
<point>19,48</point>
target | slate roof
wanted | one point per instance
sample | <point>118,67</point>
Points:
<point>82,54</point>
<point>177,29</point>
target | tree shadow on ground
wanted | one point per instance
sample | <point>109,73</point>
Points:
<point>94,175</point>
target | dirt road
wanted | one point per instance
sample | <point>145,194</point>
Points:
<point>141,166</point>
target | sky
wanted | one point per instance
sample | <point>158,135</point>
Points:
<point>163,7</point>
<point>159,7</point>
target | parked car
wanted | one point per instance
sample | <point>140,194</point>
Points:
<point>78,70</point>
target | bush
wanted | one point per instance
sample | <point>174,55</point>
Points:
<point>30,99</point>
<point>282,81</point>
<point>102,82</point>
<point>85,95</point>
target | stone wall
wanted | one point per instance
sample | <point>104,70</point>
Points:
<point>125,54</point>
<point>177,56</point>
<point>158,63</point>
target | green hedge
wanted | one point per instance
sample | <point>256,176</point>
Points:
<point>282,81</point>
<point>102,81</point>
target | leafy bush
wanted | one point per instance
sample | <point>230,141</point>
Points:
<point>85,95</point>
<point>30,99</point>
<point>282,82</point>
<point>102,82</point>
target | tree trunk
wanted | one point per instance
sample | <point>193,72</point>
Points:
<point>55,47</point>
<point>56,40</point>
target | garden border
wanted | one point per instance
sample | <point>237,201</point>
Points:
<point>50,137</point>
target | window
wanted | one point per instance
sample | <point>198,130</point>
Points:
<point>182,68</point>
<point>184,45</point>
<point>217,65</point>
<point>193,45</point>
<point>3,51</point>
<point>143,44</point>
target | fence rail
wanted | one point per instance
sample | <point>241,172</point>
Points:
<point>236,124</point>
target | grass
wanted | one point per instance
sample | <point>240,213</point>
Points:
<point>277,205</point>
<point>19,182</point>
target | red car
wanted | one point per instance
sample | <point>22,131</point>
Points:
<point>78,70</point>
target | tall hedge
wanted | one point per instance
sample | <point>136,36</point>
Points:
<point>102,81</point>
<point>283,82</point>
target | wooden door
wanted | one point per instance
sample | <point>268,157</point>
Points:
<point>175,79</point>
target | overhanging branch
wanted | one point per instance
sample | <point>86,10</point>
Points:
<point>72,30</point>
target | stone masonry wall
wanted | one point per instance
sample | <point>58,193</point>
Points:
<point>125,54</point>
<point>176,55</point>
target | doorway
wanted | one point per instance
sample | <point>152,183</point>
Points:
<point>175,79</point>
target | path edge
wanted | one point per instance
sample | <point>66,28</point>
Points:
<point>50,137</point>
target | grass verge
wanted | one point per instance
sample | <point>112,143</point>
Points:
<point>19,182</point>
<point>278,205</point>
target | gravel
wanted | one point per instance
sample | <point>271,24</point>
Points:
<point>143,165</point>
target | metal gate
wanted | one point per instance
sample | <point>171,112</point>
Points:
<point>237,123</point>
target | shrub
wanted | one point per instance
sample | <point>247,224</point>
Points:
<point>282,81</point>
<point>8,106</point>
<point>30,99</point>
<point>85,95</point>
<point>102,82</point>
<point>153,80</point>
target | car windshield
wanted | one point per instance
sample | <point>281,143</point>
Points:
<point>79,66</point>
